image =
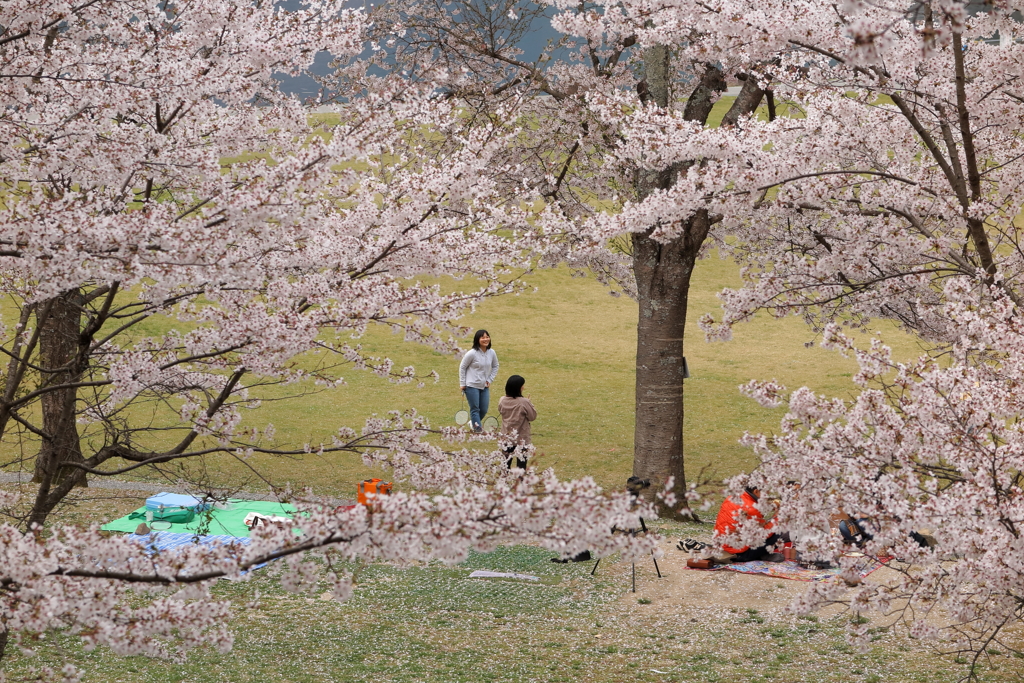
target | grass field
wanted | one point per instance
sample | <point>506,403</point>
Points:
<point>432,623</point>
<point>575,345</point>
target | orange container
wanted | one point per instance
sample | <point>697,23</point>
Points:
<point>369,489</point>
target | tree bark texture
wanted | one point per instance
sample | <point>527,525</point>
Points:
<point>662,271</point>
<point>60,363</point>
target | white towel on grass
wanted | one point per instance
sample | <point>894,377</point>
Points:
<point>484,574</point>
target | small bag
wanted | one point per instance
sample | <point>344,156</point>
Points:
<point>369,489</point>
<point>693,563</point>
<point>174,515</point>
<point>171,515</point>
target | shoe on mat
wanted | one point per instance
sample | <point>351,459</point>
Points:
<point>775,558</point>
<point>689,545</point>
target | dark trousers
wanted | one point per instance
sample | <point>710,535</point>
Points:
<point>761,552</point>
<point>519,462</point>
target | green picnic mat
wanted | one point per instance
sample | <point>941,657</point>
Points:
<point>213,522</point>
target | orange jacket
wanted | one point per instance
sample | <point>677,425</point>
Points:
<point>727,518</point>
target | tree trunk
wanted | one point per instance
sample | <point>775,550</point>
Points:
<point>59,358</point>
<point>662,271</point>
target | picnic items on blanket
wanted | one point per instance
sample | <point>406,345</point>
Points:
<point>797,572</point>
<point>690,545</point>
<point>215,521</point>
<point>368,489</point>
<point>255,519</point>
<point>169,508</point>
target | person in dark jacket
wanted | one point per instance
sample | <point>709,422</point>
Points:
<point>516,415</point>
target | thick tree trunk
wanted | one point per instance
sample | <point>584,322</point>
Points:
<point>662,271</point>
<point>663,277</point>
<point>59,358</point>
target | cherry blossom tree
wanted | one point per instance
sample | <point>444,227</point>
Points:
<point>883,183</point>
<point>176,237</point>
<point>155,172</point>
<point>578,98</point>
<point>889,190</point>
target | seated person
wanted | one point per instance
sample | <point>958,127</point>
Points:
<point>727,522</point>
<point>854,532</point>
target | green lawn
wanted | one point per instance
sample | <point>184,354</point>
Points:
<point>575,345</point>
<point>432,623</point>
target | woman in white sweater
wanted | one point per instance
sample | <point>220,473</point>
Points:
<point>516,415</point>
<point>478,369</point>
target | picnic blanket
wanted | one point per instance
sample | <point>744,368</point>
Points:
<point>168,540</point>
<point>791,570</point>
<point>212,523</point>
<point>162,541</point>
<point>796,572</point>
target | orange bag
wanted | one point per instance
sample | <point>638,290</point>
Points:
<point>694,563</point>
<point>370,489</point>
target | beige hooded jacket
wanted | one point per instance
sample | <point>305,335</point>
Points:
<point>516,416</point>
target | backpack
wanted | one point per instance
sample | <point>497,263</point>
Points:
<point>369,489</point>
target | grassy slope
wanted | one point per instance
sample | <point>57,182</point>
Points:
<point>575,345</point>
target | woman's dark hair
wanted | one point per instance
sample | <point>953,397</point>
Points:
<point>514,386</point>
<point>476,339</point>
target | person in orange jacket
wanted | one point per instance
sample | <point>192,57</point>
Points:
<point>729,517</point>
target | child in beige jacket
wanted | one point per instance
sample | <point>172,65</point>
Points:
<point>516,415</point>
